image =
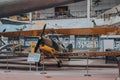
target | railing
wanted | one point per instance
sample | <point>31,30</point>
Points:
<point>64,15</point>
<point>68,15</point>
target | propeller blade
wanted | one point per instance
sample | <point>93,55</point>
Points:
<point>4,30</point>
<point>43,31</point>
<point>40,40</point>
<point>37,45</point>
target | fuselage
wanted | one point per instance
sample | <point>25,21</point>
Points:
<point>50,46</point>
<point>14,7</point>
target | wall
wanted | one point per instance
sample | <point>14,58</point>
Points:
<point>80,8</point>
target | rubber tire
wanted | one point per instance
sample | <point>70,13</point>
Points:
<point>69,59</point>
<point>59,63</point>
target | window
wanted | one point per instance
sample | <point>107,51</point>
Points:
<point>63,10</point>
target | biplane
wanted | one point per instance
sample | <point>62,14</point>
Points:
<point>49,47</point>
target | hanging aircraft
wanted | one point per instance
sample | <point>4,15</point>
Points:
<point>16,7</point>
<point>12,22</point>
<point>19,7</point>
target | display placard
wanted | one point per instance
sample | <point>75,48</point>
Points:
<point>33,57</point>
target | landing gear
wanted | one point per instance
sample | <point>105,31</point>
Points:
<point>59,63</point>
<point>37,64</point>
<point>69,59</point>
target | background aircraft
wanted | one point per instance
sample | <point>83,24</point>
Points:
<point>12,22</point>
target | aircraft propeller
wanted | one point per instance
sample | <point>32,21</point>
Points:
<point>40,40</point>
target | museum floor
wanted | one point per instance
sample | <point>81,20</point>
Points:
<point>96,74</point>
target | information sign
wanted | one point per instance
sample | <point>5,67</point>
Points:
<point>33,57</point>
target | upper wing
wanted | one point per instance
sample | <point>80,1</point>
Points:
<point>70,31</point>
<point>90,53</point>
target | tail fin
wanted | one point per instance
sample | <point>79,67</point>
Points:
<point>70,47</point>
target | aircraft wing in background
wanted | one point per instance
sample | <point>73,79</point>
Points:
<point>65,31</point>
<point>12,22</point>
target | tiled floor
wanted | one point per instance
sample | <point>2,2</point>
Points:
<point>100,74</point>
<point>54,77</point>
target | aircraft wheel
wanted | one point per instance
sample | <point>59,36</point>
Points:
<point>69,59</point>
<point>37,64</point>
<point>59,63</point>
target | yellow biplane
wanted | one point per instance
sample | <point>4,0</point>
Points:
<point>49,47</point>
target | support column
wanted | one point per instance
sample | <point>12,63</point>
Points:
<point>88,9</point>
<point>93,41</point>
<point>30,17</point>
